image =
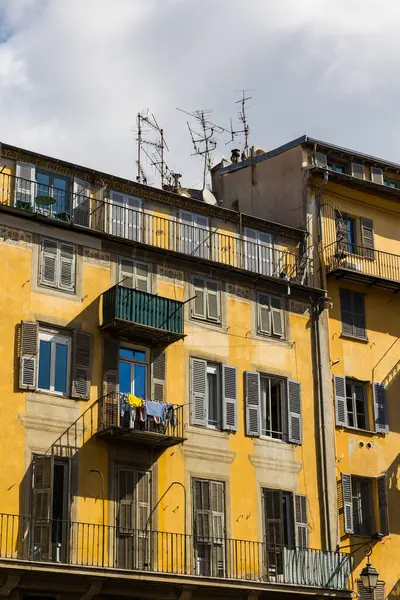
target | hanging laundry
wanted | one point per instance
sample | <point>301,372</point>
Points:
<point>134,400</point>
<point>171,414</point>
<point>156,409</point>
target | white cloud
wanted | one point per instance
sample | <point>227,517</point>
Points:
<point>74,74</point>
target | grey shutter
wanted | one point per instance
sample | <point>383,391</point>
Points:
<point>339,384</point>
<point>382,486</point>
<point>198,400</point>
<point>359,315</point>
<point>218,528</point>
<point>301,520</point>
<point>81,365</point>
<point>366,594</point>
<point>253,402</point>
<point>25,183</point>
<point>377,175</point>
<point>202,510</point>
<point>126,480</point>
<point>380,408</point>
<point>320,160</point>
<point>346,308</point>
<point>277,314</point>
<point>110,416</point>
<point>229,398</point>
<point>367,237</point>
<point>28,355</point>
<point>357,170</point>
<point>127,273</point>
<point>49,262</point>
<point>264,314</point>
<point>199,302</point>
<point>294,411</point>
<point>347,503</point>
<point>213,301</point>
<point>158,359</point>
<point>273,519</point>
<point>67,267</point>
<point>142,493</point>
<point>42,503</point>
<point>142,277</point>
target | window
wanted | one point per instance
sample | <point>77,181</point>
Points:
<point>125,216</point>
<point>54,363</point>
<point>52,193</point>
<point>358,499</point>
<point>272,403</point>
<point>285,525</point>
<point>390,183</point>
<point>213,395</point>
<point>346,233</point>
<point>351,404</point>
<point>336,167</point>
<point>133,372</point>
<point>356,405</point>
<point>353,314</point>
<point>134,274</point>
<point>194,234</point>
<point>81,202</point>
<point>57,265</point>
<point>270,315</point>
<point>209,527</point>
<point>207,302</point>
<point>258,252</point>
<point>273,407</point>
<point>361,496</point>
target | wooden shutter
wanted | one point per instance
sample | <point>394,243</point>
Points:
<point>277,314</point>
<point>28,355</point>
<point>301,520</point>
<point>264,314</point>
<point>339,384</point>
<point>110,366</point>
<point>199,302</point>
<point>67,267</point>
<point>25,183</point>
<point>218,528</point>
<point>229,398</point>
<point>359,315</point>
<point>294,411</point>
<point>366,594</point>
<point>49,262</point>
<point>142,497</point>
<point>367,237</point>
<point>202,510</point>
<point>347,503</point>
<point>81,365</point>
<point>382,486</point>
<point>213,301</point>
<point>127,273</point>
<point>357,170</point>
<point>253,403</point>
<point>158,369</point>
<point>142,277</point>
<point>42,504</point>
<point>81,202</point>
<point>125,518</point>
<point>346,308</point>
<point>198,400</point>
<point>377,175</point>
<point>320,160</point>
<point>380,408</point>
<point>273,518</point>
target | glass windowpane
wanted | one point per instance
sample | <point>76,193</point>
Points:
<point>44,365</point>
<point>60,374</point>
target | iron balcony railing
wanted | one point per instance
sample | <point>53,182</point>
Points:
<point>116,412</point>
<point>150,310</point>
<point>148,551</point>
<point>373,263</point>
<point>127,222</point>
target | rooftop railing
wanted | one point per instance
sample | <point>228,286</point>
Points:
<point>124,221</point>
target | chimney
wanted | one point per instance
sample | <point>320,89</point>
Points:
<point>235,155</point>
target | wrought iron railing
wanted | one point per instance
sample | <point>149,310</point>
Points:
<point>129,223</point>
<point>374,263</point>
<point>116,412</point>
<point>120,547</point>
<point>143,308</point>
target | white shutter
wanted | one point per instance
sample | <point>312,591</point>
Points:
<point>294,411</point>
<point>201,236</point>
<point>300,514</point>
<point>347,503</point>
<point>357,170</point>
<point>277,314</point>
<point>198,404</point>
<point>377,175</point>
<point>265,251</point>
<point>25,183</point>
<point>320,160</point>
<point>126,272</point>
<point>28,355</point>
<point>186,229</point>
<point>199,302</point>
<point>133,218</point>
<point>213,301</point>
<point>142,277</point>
<point>81,202</point>
<point>49,262</point>
<point>229,398</point>
<point>250,250</point>
<point>253,403</point>
<point>67,267</point>
<point>339,384</point>
<point>264,314</point>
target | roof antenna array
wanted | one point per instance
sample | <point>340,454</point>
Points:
<point>245,125</point>
<point>204,141</point>
<point>148,124</point>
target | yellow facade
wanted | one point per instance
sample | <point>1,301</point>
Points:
<point>37,422</point>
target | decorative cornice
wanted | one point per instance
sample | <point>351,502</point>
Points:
<point>97,258</point>
<point>207,453</point>
<point>238,292</point>
<point>170,274</point>
<point>273,464</point>
<point>15,237</point>
<point>43,423</point>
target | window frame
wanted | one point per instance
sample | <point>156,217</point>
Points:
<point>353,383</point>
<point>205,290</point>
<point>217,368</point>
<point>55,338</point>
<point>51,187</point>
<point>271,333</point>
<point>282,383</point>
<point>132,361</point>
<point>359,504</point>
<point>134,265</point>
<point>342,292</point>
<point>57,285</point>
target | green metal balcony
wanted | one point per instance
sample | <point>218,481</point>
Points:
<point>141,316</point>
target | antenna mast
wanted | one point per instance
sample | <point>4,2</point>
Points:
<point>159,145</point>
<point>243,120</point>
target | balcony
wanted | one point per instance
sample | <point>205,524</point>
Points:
<point>364,265</point>
<point>141,552</point>
<point>118,421</point>
<point>141,316</point>
<point>170,235</point>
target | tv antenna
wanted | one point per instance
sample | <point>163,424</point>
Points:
<point>245,125</point>
<point>148,124</point>
<point>204,141</point>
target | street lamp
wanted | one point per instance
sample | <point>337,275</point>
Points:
<point>369,575</point>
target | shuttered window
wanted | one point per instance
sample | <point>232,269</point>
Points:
<point>213,397</point>
<point>352,308</point>
<point>367,594</point>
<point>351,404</point>
<point>54,363</point>
<point>134,274</point>
<point>367,236</point>
<point>270,315</point>
<point>24,185</point>
<point>358,497</point>
<point>209,527</point>
<point>206,304</point>
<point>57,265</point>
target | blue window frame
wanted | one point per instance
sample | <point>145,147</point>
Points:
<point>54,363</point>
<point>133,370</point>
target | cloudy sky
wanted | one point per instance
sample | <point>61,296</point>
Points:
<point>74,74</point>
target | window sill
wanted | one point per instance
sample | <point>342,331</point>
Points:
<point>267,438</point>
<point>354,338</point>
<point>358,430</point>
<point>210,431</point>
<point>52,394</point>
<point>205,321</point>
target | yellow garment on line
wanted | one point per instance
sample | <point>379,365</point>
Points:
<point>134,400</point>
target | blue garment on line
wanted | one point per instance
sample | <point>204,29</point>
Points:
<point>156,409</point>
